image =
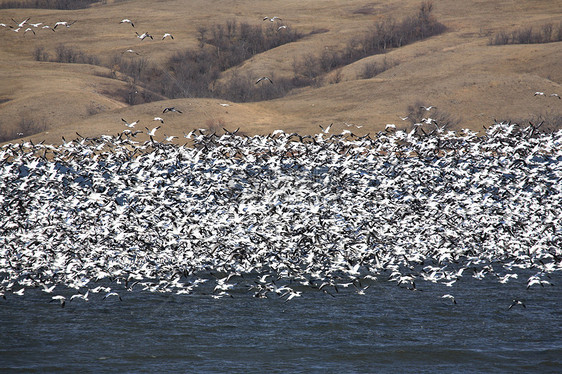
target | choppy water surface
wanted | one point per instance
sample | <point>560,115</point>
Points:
<point>389,329</point>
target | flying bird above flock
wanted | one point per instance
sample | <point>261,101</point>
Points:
<point>132,124</point>
<point>153,131</point>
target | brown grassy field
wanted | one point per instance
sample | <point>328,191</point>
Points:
<point>457,71</point>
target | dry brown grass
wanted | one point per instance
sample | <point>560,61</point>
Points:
<point>457,71</point>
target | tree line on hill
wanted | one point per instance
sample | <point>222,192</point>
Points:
<point>197,72</point>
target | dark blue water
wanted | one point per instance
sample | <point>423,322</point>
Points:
<point>389,329</point>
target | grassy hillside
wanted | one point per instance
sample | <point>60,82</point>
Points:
<point>469,80</point>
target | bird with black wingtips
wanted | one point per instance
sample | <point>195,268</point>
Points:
<point>126,20</point>
<point>171,109</point>
<point>516,302</point>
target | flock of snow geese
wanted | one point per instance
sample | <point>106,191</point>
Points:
<point>25,26</point>
<point>281,215</point>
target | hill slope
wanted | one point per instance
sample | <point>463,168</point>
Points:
<point>467,79</point>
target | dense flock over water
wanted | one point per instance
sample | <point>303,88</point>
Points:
<point>280,216</point>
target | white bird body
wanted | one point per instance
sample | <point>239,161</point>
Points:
<point>152,132</point>
<point>428,108</point>
<point>22,22</point>
<point>144,35</point>
<point>132,124</point>
<point>126,20</point>
<point>167,35</point>
<point>67,24</point>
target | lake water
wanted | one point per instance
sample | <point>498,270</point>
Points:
<point>389,329</point>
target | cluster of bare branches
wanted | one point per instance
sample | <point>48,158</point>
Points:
<point>546,33</point>
<point>384,35</point>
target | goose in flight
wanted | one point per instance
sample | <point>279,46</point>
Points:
<point>450,297</point>
<point>126,20</point>
<point>516,302</point>
<point>29,29</point>
<point>130,51</point>
<point>152,132</point>
<point>171,109</point>
<point>264,78</point>
<point>22,22</point>
<point>327,129</point>
<point>112,294</point>
<point>167,35</point>
<point>36,25</point>
<point>61,299</point>
<point>67,24</point>
<point>555,95</point>
<point>159,119</point>
<point>428,108</point>
<point>132,124</point>
<point>144,36</point>
<point>272,19</point>
<point>48,27</point>
<point>170,137</point>
<point>281,27</point>
<point>81,296</point>
<point>538,93</point>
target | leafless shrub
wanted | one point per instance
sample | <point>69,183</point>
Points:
<point>500,38</point>
<point>337,77</point>
<point>372,69</point>
<point>546,33</point>
<point>329,60</point>
<point>28,126</point>
<point>94,108</point>
<point>308,66</point>
<point>39,54</point>
<point>523,36</point>
<point>214,125</point>
<point>66,54</point>
<point>365,10</point>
